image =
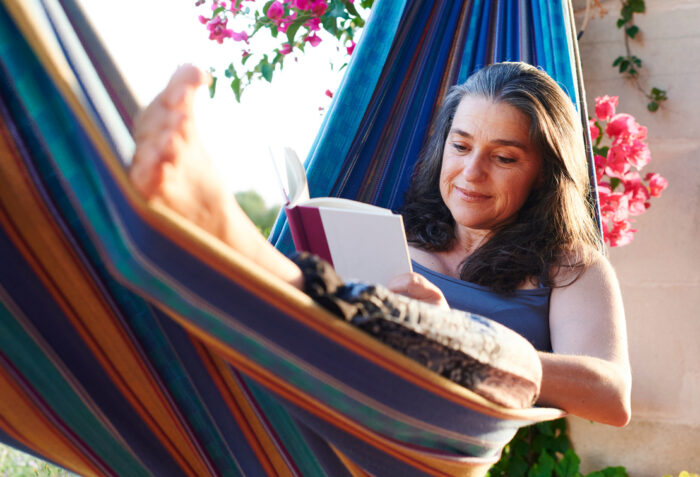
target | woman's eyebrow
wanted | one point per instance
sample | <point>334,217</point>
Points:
<point>502,142</point>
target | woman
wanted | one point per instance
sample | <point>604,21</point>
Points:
<point>510,177</point>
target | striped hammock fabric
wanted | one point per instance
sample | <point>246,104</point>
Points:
<point>409,56</point>
<point>133,344</point>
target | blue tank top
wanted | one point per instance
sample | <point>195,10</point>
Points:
<point>525,311</point>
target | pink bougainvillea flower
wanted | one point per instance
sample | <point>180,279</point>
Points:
<point>638,153</point>
<point>314,24</point>
<point>217,29</point>
<point>636,192</point>
<point>619,233</point>
<point>595,132</point>
<point>286,49</point>
<point>616,207</point>
<point>329,93</point>
<point>600,163</point>
<point>656,184</point>
<point>203,20</point>
<point>302,4</point>
<point>319,7</point>
<point>616,164</point>
<point>351,48</point>
<point>276,11</point>
<point>242,36</point>
<point>624,125</point>
<point>313,39</point>
<point>605,106</point>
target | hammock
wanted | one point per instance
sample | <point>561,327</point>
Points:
<point>133,344</point>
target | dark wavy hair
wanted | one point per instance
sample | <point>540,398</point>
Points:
<point>555,228</point>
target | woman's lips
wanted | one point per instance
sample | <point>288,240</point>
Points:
<point>471,196</point>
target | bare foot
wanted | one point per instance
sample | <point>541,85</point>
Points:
<point>171,167</point>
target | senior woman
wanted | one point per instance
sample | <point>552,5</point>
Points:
<point>497,216</point>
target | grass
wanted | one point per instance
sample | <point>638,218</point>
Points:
<point>14,463</point>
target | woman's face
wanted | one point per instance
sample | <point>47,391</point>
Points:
<point>489,165</point>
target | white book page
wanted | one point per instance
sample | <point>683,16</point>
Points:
<point>366,247</point>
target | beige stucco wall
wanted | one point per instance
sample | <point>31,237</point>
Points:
<point>660,271</point>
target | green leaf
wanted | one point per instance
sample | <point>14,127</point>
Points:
<point>245,59</point>
<point>336,9</point>
<point>653,106</point>
<point>366,3</point>
<point>624,64</point>
<point>544,467</point>
<point>614,182</point>
<point>636,61</point>
<point>350,8</point>
<point>618,60</point>
<point>236,87</point>
<point>330,24</point>
<point>212,86</point>
<point>267,5</point>
<point>569,465</point>
<point>293,28</point>
<point>230,72</point>
<point>632,31</point>
<point>615,472</point>
<point>266,69</point>
<point>625,16</point>
<point>217,11</point>
<point>636,6</point>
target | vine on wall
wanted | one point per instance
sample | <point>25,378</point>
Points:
<point>630,64</point>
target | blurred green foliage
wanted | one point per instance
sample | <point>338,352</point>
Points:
<point>544,450</point>
<point>254,206</point>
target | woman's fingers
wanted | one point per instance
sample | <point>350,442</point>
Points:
<point>418,287</point>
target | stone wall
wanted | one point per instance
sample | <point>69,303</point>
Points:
<point>660,271</point>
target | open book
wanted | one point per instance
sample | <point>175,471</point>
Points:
<point>362,241</point>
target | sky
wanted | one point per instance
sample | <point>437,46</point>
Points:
<point>149,39</point>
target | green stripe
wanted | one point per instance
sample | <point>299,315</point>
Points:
<point>59,394</point>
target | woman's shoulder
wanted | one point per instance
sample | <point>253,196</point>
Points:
<point>584,270</point>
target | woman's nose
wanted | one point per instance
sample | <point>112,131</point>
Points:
<point>474,166</point>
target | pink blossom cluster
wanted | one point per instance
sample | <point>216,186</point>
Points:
<point>284,13</point>
<point>622,191</point>
<point>217,25</point>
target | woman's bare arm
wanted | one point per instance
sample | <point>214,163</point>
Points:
<point>588,374</point>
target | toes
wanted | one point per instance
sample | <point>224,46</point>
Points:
<point>146,171</point>
<point>184,83</point>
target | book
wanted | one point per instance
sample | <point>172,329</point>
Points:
<point>362,241</point>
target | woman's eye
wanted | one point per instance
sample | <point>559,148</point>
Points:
<point>459,147</point>
<point>505,160</point>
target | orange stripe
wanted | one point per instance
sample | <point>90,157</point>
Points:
<point>256,435</point>
<point>354,469</point>
<point>29,226</point>
<point>28,425</point>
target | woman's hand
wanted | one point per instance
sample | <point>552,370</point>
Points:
<point>418,287</point>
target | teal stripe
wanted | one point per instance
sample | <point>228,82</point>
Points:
<point>32,362</point>
<point>286,429</point>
